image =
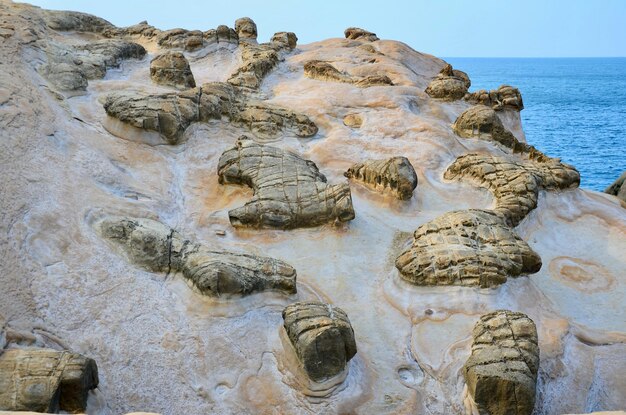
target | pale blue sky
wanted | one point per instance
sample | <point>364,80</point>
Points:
<point>479,28</point>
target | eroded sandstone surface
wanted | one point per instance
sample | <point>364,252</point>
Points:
<point>162,347</point>
<point>172,68</point>
<point>395,175</point>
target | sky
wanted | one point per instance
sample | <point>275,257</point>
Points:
<point>453,28</point>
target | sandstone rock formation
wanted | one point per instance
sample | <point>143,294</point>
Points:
<point>515,184</point>
<point>289,191</point>
<point>246,28</point>
<point>156,247</point>
<point>355,33</point>
<point>617,188</point>
<point>482,122</point>
<point>286,40</point>
<point>395,175</point>
<point>324,71</point>
<point>170,114</point>
<point>505,97</point>
<point>449,85</point>
<point>322,337</point>
<point>45,380</point>
<point>189,40</point>
<point>66,21</point>
<point>70,68</point>
<point>467,247</point>
<point>222,34</point>
<point>501,373</point>
<point>257,62</point>
<point>172,68</point>
<point>353,120</point>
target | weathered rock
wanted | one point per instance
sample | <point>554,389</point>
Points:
<point>515,184</point>
<point>245,28</point>
<point>353,121</point>
<point>373,80</point>
<point>172,68</point>
<point>395,175</point>
<point>286,40</point>
<point>467,247</point>
<point>322,337</point>
<point>482,122</point>
<point>156,247</point>
<point>501,373</point>
<point>324,71</point>
<point>141,29</point>
<point>45,380</point>
<point>257,62</point>
<point>617,188</point>
<point>449,85</point>
<point>189,40</point>
<point>66,21</point>
<point>222,34</point>
<point>360,34</point>
<point>502,98</point>
<point>170,114</point>
<point>289,191</point>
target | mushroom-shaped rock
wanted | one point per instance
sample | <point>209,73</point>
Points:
<point>289,191</point>
<point>322,337</point>
<point>482,122</point>
<point>617,188</point>
<point>515,184</point>
<point>501,372</point>
<point>505,97</point>
<point>172,68</point>
<point>449,85</point>
<point>245,28</point>
<point>45,380</point>
<point>360,34</point>
<point>324,71</point>
<point>466,247</point>
<point>286,40</point>
<point>395,175</point>
<point>155,247</point>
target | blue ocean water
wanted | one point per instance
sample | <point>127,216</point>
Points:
<point>574,108</point>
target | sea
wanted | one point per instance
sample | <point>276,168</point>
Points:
<point>574,108</point>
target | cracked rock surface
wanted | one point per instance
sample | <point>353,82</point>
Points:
<point>156,247</point>
<point>172,68</point>
<point>289,191</point>
<point>505,97</point>
<point>467,247</point>
<point>482,122</point>
<point>45,380</point>
<point>322,337</point>
<point>324,71</point>
<point>501,373</point>
<point>395,175</point>
<point>449,85</point>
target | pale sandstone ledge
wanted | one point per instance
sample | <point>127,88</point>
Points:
<point>507,227</point>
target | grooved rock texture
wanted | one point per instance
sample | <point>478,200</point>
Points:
<point>617,188</point>
<point>322,337</point>
<point>170,114</point>
<point>515,184</point>
<point>289,191</point>
<point>45,380</point>
<point>324,71</point>
<point>172,68</point>
<point>155,247</point>
<point>467,247</point>
<point>505,97</point>
<point>395,175</point>
<point>356,33</point>
<point>501,372</point>
<point>449,85</point>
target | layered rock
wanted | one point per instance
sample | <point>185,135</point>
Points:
<point>324,71</point>
<point>155,247</point>
<point>355,33</point>
<point>505,97</point>
<point>449,85</point>
<point>515,184</point>
<point>246,28</point>
<point>70,68</point>
<point>395,175</point>
<point>45,380</point>
<point>289,191</point>
<point>170,114</point>
<point>617,188</point>
<point>467,247</point>
<point>322,337</point>
<point>501,373</point>
<point>482,122</point>
<point>172,68</point>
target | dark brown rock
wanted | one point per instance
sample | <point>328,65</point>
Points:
<point>617,188</point>
<point>395,175</point>
<point>449,85</point>
<point>156,247</point>
<point>482,122</point>
<point>289,192</point>
<point>360,34</point>
<point>505,97</point>
<point>322,337</point>
<point>172,68</point>
<point>324,71</point>
<point>501,373</point>
<point>45,380</point>
<point>467,247</point>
